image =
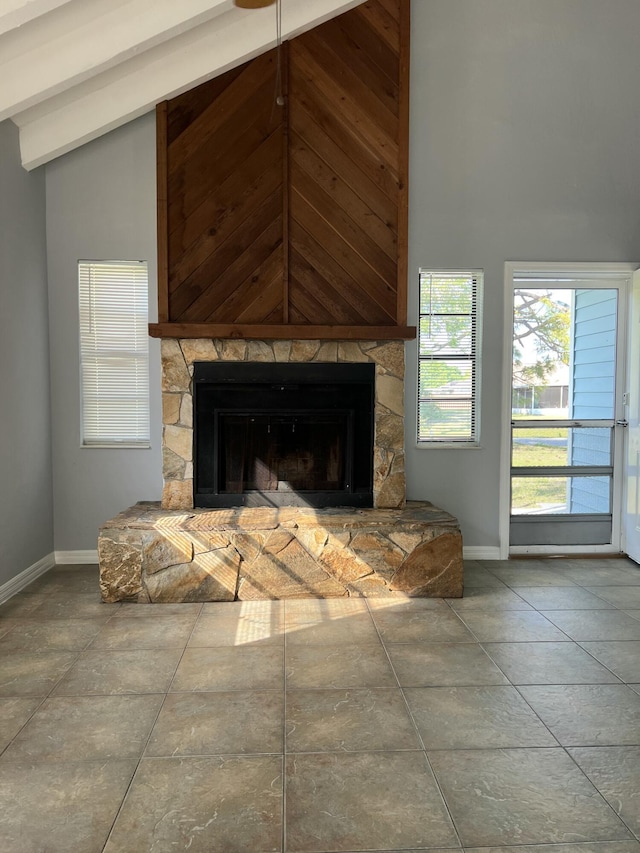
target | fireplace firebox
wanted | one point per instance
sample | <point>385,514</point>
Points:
<point>269,434</point>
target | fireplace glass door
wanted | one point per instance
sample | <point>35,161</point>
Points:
<point>283,434</point>
<point>284,451</point>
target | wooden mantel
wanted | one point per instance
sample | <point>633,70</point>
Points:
<point>282,332</point>
<point>287,217</point>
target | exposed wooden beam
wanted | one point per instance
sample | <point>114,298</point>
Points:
<point>132,88</point>
<point>17,13</point>
<point>76,42</point>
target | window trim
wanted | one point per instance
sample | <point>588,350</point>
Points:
<point>88,348</point>
<point>474,442</point>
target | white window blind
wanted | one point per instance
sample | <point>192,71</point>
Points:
<point>449,357</point>
<point>114,353</point>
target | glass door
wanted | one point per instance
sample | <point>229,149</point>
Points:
<point>566,411</point>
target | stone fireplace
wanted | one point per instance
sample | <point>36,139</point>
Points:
<point>180,552</point>
<point>386,359</point>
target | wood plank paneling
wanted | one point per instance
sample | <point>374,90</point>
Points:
<point>330,279</point>
<point>224,210</point>
<point>292,216</point>
<point>236,276</point>
<point>186,108</point>
<point>225,180</point>
<point>205,275</point>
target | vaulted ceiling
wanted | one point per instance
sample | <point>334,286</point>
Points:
<point>71,70</point>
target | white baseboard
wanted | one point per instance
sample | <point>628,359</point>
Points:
<point>480,552</point>
<point>73,558</point>
<point>11,587</point>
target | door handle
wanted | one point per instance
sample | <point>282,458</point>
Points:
<point>622,423</point>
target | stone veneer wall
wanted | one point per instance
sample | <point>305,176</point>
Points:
<point>178,357</point>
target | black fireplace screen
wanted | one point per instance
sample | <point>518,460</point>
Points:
<point>269,434</point>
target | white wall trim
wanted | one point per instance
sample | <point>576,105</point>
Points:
<point>64,558</point>
<point>11,587</point>
<point>481,552</point>
<point>504,500</point>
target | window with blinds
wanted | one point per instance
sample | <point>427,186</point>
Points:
<point>114,353</point>
<point>449,357</point>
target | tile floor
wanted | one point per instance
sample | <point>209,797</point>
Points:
<point>509,719</point>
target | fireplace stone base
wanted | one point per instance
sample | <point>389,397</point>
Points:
<point>149,554</point>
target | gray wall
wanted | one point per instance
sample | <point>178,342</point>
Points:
<point>100,205</point>
<point>525,119</point>
<point>26,519</point>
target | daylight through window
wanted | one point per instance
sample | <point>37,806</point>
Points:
<point>449,357</point>
<point>114,353</point>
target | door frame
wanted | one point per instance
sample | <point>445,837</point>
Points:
<point>613,271</point>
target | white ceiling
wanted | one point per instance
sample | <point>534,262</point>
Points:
<point>71,70</point>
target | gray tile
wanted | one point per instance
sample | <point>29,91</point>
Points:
<point>79,606</point>
<point>624,597</point>
<point>475,717</point>
<point>7,626</point>
<point>364,801</point>
<point>33,673</point>
<point>147,610</point>
<point>588,715</point>
<point>339,666</point>
<point>488,598</point>
<point>594,573</point>
<point>312,611</point>
<point>414,850</point>
<point>561,598</point>
<point>595,624</point>
<point>511,626</point>
<point>479,576</point>
<point>202,805</point>
<point>605,562</point>
<point>232,625</point>
<point>51,635</point>
<point>163,632</point>
<point>86,728</point>
<point>71,582</point>
<point>528,563</point>
<point>615,771</point>
<point>534,575</point>
<point>421,627</point>
<point>60,808</point>
<point>548,663</point>
<point>522,796</point>
<point>14,713</point>
<point>588,847</point>
<point>622,658</point>
<point>21,606</point>
<point>348,720</point>
<point>117,672</point>
<point>443,664</point>
<point>405,605</point>
<point>233,722</point>
<point>349,628</point>
<point>233,668</point>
